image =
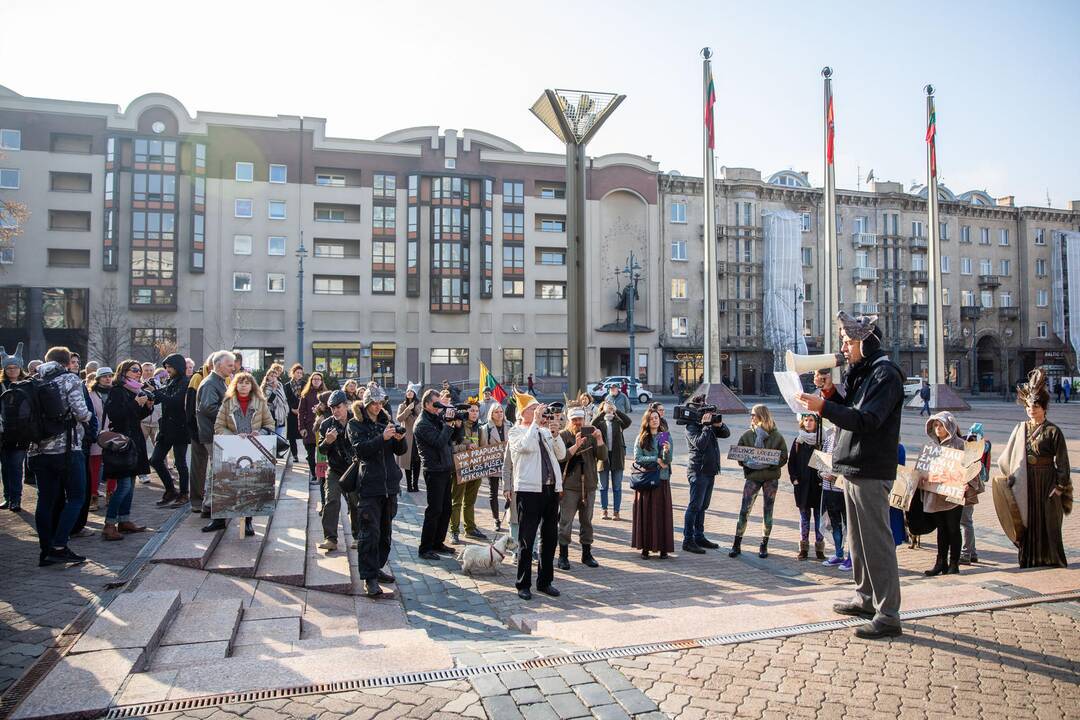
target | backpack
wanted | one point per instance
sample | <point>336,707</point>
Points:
<point>34,410</point>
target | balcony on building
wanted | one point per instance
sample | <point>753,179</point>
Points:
<point>336,284</point>
<point>864,274</point>
<point>864,240</point>
<point>864,308</point>
<point>920,311</point>
<point>970,312</point>
<point>918,243</point>
<point>336,249</point>
<point>1009,313</point>
<point>989,281</point>
<point>552,224</point>
<point>338,213</point>
<point>733,231</point>
<point>920,277</point>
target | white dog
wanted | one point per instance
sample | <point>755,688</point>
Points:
<point>480,560</point>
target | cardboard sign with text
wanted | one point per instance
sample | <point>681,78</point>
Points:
<point>941,470</point>
<point>479,463</point>
<point>822,462</point>
<point>903,489</point>
<point>743,453</point>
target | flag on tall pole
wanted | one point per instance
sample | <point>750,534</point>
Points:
<point>931,133</point>
<point>830,129</point>
<point>830,275</point>
<point>488,382</point>
<point>710,102</point>
<point>935,348</point>
<point>711,348</point>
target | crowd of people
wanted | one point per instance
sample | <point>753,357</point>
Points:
<point>98,431</point>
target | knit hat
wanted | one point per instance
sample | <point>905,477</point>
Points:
<point>523,400</point>
<point>15,358</point>
<point>373,393</point>
<point>103,371</point>
<point>859,327</point>
<point>415,387</point>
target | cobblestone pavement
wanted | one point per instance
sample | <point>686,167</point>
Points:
<point>37,603</point>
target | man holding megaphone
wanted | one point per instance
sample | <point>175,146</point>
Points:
<point>866,413</point>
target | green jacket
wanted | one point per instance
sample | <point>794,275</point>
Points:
<point>650,456</point>
<point>774,441</point>
<point>580,469</point>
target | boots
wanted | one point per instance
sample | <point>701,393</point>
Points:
<point>736,547</point>
<point>804,550</point>
<point>129,527</point>
<point>586,557</point>
<point>564,557</point>
<point>819,549</point>
<point>939,567</point>
<point>249,529</point>
<point>109,532</point>
<point>763,551</point>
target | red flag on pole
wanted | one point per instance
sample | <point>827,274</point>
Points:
<point>710,100</point>
<point>832,133</point>
<point>931,137</point>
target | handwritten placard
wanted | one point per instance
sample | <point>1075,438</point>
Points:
<point>941,470</point>
<point>744,453</point>
<point>903,489</point>
<point>822,462</point>
<point>479,463</point>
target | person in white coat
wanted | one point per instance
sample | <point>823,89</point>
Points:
<point>535,453</point>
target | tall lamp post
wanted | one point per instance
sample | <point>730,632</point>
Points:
<point>633,276</point>
<point>574,116</point>
<point>301,253</point>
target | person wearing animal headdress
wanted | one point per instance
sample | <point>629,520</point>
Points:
<point>1036,465</point>
<point>867,414</point>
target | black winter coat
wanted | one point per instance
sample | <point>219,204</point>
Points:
<point>340,453</point>
<point>433,439</point>
<point>292,427</point>
<point>173,401</point>
<point>124,415</point>
<point>379,470</point>
<point>806,483</point>
<point>704,450</point>
<point>868,418</point>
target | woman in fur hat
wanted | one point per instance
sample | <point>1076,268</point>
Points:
<point>1036,464</point>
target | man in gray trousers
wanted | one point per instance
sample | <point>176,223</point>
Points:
<point>867,416</point>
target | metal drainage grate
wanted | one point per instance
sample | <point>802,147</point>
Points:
<point>461,673</point>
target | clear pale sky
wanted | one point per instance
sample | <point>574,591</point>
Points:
<point>1007,75</point>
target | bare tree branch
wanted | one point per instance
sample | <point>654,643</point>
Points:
<point>110,331</point>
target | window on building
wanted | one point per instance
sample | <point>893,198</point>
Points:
<point>245,172</point>
<point>412,219</point>
<point>984,236</point>
<point>943,229</point>
<point>1041,331</point>
<point>384,218</point>
<point>944,263</point>
<point>918,294</point>
<point>1003,236</point>
<point>550,290</point>
<point>1005,299</point>
<point>279,173</point>
<point>967,298</point>
<point>918,262</point>
<point>334,285</point>
<point>862,259</point>
<point>148,341</point>
<point>275,245</point>
<point>241,282</point>
<point>678,288</point>
<point>200,191</point>
<point>275,282</point>
<point>513,366</point>
<point>678,250</point>
<point>551,362</point>
<point>242,208</point>
<point>449,356</point>
<point>551,191</point>
<point>7,256</point>
<point>10,139</point>
<point>916,228</point>
<point>1040,236</point>
<point>965,233</point>
<point>241,245</point>
<point>1040,267</point>
<point>329,214</point>
<point>383,284</point>
<point>513,192</point>
<point>147,226</point>
<point>550,256</point>
<point>10,178</point>
<point>1042,298</point>
<point>805,224</point>
<point>678,212</point>
<point>146,151</point>
<point>807,256</point>
<point>945,299</point>
<point>808,292</point>
<point>839,259</point>
<point>986,266</point>
<point>1006,267</point>
<point>679,327</point>
<point>385,185</point>
<point>918,332</point>
<point>986,297</point>
<point>552,225</point>
<point>513,223</point>
<point>330,180</point>
<point>383,255</point>
<point>513,288</point>
<point>153,187</point>
<point>450,163</point>
<point>275,210</point>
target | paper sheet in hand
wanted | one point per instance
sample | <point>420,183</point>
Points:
<point>790,385</point>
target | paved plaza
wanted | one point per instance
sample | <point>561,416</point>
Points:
<point>505,658</point>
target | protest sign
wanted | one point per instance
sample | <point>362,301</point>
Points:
<point>822,462</point>
<point>744,453</point>
<point>244,477</point>
<point>903,489</point>
<point>941,470</point>
<point>480,462</point>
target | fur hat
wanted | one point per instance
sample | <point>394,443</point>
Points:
<point>373,393</point>
<point>15,358</point>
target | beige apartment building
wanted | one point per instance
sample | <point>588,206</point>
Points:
<point>997,267</point>
<point>423,251</point>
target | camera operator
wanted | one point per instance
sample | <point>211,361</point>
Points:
<point>434,433</point>
<point>538,483</point>
<point>584,447</point>
<point>377,442</point>
<point>701,472</point>
<point>339,455</point>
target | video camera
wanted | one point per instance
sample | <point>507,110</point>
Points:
<point>694,412</point>
<point>552,410</point>
<point>461,410</point>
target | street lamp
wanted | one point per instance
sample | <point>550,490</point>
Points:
<point>574,116</point>
<point>301,253</point>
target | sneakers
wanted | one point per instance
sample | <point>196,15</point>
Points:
<point>549,590</point>
<point>328,545</point>
<point>692,547</point>
<point>430,555</point>
<point>180,501</point>
<point>476,535</point>
<point>834,561</point>
<point>455,539</point>
<point>846,565</point>
<point>65,555</point>
<point>144,479</point>
<point>707,544</point>
<point>167,499</point>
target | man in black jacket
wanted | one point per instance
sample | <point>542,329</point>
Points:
<point>701,472</point>
<point>377,443</point>
<point>867,415</point>
<point>339,455</point>
<point>173,432</point>
<point>434,433</point>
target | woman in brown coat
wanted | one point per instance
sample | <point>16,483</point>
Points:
<point>407,413</point>
<point>244,411</point>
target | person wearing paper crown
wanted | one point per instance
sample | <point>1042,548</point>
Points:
<point>867,413</point>
<point>535,454</point>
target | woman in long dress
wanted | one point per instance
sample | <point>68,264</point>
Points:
<point>1036,463</point>
<point>652,528</point>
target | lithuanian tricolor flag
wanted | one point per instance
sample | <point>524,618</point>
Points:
<point>488,382</point>
<point>931,133</point>
<point>710,101</point>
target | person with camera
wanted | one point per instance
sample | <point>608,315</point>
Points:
<point>377,442</point>
<point>125,408</point>
<point>173,432</point>
<point>340,454</point>
<point>703,428</point>
<point>463,495</point>
<point>611,421</point>
<point>584,448</point>
<point>407,413</point>
<point>208,399</point>
<point>867,414</point>
<point>536,453</point>
<point>434,434</point>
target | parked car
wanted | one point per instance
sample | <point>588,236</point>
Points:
<point>635,390</point>
<point>912,386</point>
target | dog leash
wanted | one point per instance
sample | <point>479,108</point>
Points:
<point>492,552</point>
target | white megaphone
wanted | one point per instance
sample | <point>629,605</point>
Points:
<point>813,363</point>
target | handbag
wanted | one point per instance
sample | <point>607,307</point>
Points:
<point>350,477</point>
<point>119,456</point>
<point>645,477</point>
